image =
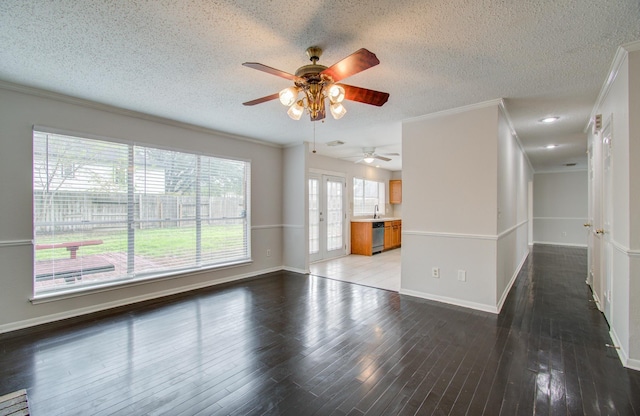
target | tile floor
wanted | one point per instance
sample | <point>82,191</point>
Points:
<point>380,270</point>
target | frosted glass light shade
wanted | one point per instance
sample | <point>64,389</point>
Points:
<point>336,93</point>
<point>368,159</point>
<point>337,110</point>
<point>288,96</point>
<point>296,110</point>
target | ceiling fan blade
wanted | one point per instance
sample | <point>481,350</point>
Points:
<point>364,95</point>
<point>262,100</point>
<point>356,62</point>
<point>386,159</point>
<point>272,71</point>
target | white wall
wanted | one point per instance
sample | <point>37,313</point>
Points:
<point>514,175</point>
<point>21,108</point>
<point>560,204</point>
<point>295,209</point>
<point>619,104</point>
<point>464,206</point>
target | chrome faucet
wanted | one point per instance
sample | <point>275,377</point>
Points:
<point>375,212</point>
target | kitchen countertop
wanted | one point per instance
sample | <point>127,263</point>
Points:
<point>376,220</point>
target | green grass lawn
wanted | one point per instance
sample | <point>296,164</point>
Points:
<point>156,242</point>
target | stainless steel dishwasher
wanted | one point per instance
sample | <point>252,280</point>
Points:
<point>377,238</point>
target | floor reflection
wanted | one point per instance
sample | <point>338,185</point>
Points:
<point>286,343</point>
<point>380,270</point>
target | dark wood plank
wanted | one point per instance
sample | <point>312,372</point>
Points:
<point>290,344</point>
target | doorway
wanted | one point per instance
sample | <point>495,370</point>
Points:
<point>605,231</point>
<point>327,217</point>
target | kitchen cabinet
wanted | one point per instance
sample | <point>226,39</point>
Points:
<point>392,234</point>
<point>395,191</point>
<point>397,234</point>
<point>361,238</point>
<point>388,235</point>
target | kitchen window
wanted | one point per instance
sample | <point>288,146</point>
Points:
<point>367,195</point>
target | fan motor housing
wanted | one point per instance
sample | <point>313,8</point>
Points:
<point>311,72</point>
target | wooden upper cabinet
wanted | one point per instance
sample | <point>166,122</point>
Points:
<point>395,191</point>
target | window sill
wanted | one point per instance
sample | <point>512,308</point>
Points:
<point>57,295</point>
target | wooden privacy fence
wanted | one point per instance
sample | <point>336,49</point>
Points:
<point>73,211</point>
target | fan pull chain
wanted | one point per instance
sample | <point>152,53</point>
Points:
<point>314,137</point>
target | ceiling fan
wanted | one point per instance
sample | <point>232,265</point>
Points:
<point>369,155</point>
<point>315,83</point>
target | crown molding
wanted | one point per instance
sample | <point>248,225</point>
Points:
<point>503,108</point>
<point>38,92</point>
<point>457,110</point>
<point>499,102</point>
<point>622,52</point>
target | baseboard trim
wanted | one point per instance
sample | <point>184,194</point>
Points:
<point>633,364</point>
<point>295,270</point>
<point>622,352</point>
<point>450,301</point>
<point>41,320</point>
<point>597,300</point>
<point>505,294</point>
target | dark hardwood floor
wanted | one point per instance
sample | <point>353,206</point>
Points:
<point>290,344</point>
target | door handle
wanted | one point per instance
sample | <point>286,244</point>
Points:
<point>600,231</point>
<point>586,224</point>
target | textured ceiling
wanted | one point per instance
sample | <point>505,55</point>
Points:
<point>182,60</point>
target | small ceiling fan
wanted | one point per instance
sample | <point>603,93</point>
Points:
<point>369,155</point>
<point>315,83</point>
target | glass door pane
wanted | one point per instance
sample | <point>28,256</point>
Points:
<point>314,216</point>
<point>335,214</point>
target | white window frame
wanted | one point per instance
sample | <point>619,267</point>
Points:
<point>201,261</point>
<point>365,203</point>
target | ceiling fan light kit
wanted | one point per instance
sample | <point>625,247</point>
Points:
<point>317,83</point>
<point>369,156</point>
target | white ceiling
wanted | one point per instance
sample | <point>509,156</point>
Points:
<point>182,60</point>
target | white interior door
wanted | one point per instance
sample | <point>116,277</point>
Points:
<point>327,217</point>
<point>589,224</point>
<point>605,231</point>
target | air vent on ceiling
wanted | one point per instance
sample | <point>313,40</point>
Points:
<point>335,143</point>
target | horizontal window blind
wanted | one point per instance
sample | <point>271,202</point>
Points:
<point>106,211</point>
<point>367,195</point>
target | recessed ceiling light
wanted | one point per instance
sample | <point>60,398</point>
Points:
<point>551,146</point>
<point>549,119</point>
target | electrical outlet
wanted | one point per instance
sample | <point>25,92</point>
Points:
<point>462,275</point>
<point>435,272</point>
<point>268,252</point>
<point>564,233</point>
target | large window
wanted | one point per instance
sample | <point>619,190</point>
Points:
<point>367,196</point>
<point>108,212</point>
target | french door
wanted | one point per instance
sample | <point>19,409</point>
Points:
<point>327,217</point>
